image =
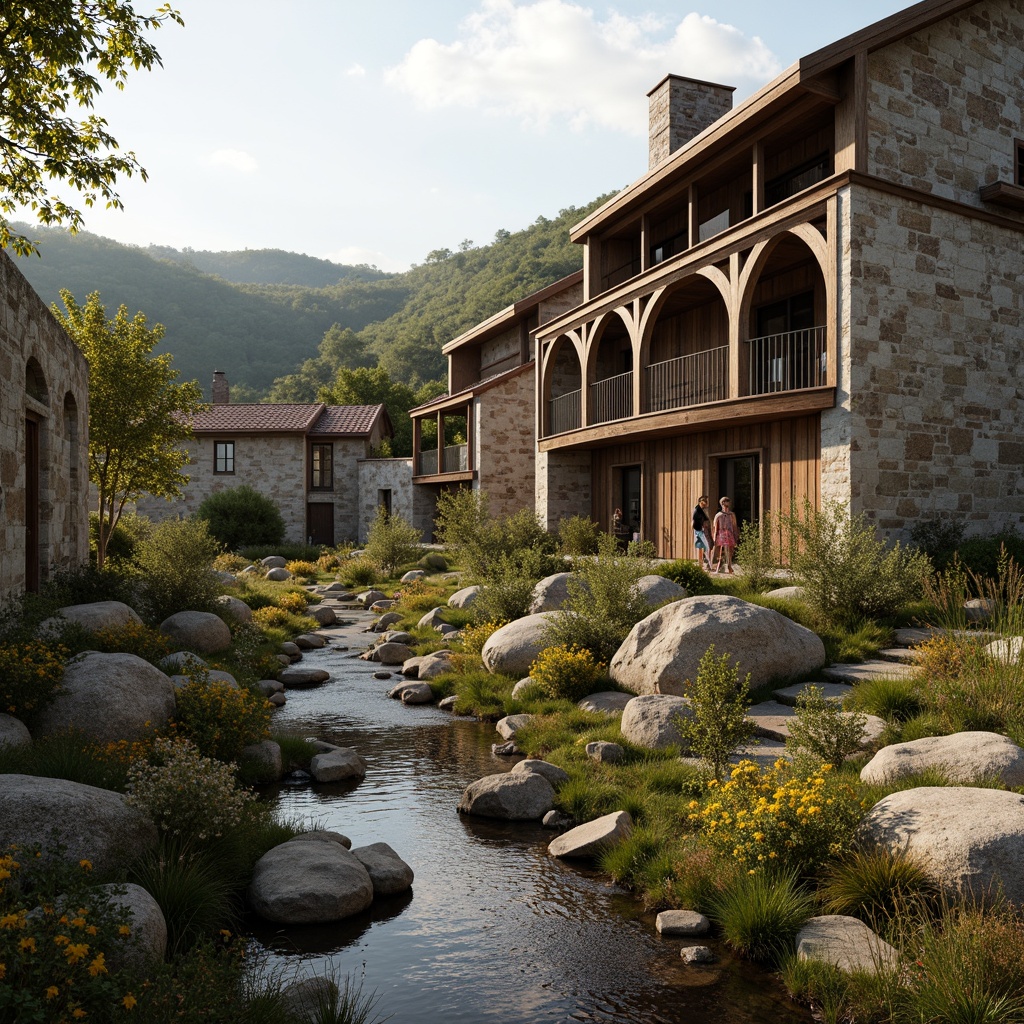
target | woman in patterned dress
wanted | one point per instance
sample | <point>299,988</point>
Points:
<point>725,534</point>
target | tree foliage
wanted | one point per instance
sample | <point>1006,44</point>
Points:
<point>139,417</point>
<point>241,517</point>
<point>54,55</point>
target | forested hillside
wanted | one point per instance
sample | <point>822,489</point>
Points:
<point>281,336</point>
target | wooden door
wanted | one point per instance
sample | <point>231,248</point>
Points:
<point>320,523</point>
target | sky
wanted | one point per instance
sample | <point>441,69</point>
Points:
<point>376,132</point>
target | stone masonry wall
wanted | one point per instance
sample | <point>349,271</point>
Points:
<point>500,354</point>
<point>29,331</point>
<point>945,104</point>
<point>679,110</point>
<point>937,401</point>
<point>563,486</point>
<point>414,504</point>
<point>505,444</point>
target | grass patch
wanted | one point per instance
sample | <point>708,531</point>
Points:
<point>66,755</point>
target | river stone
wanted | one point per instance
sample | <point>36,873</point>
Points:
<point>337,764</point>
<point>604,752</point>
<point>464,598</point>
<point>291,649</point>
<point>534,766</point>
<point>590,839</point>
<point>521,688</point>
<point>322,835</point>
<point>202,632</point>
<point>181,663</point>
<point>845,943</point>
<point>388,872</point>
<point>310,642</point>
<point>968,840</point>
<point>323,613</point>
<point>552,592</point>
<point>14,733</point>
<point>413,575</point>
<point>265,759</point>
<point>303,1000</point>
<point>511,724</point>
<point>682,922</point>
<point>514,796</point>
<point>964,757</point>
<point>657,590</point>
<point>383,605</point>
<point>303,678</point>
<point>234,608</point>
<point>608,702</point>
<point>145,918</point>
<point>433,618</point>
<point>697,955</point>
<point>269,686</point>
<point>309,883</point>
<point>387,620</point>
<point>512,649</point>
<point>94,616</point>
<point>89,823</point>
<point>274,562</point>
<point>110,697</point>
<point>392,654</point>
<point>412,693</point>
<point>787,593</point>
<point>664,650</point>
<point>370,597</point>
<point>277,699</point>
<point>650,720</point>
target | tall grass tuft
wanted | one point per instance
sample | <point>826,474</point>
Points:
<point>896,699</point>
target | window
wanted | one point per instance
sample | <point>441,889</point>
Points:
<point>1018,163</point>
<point>797,179</point>
<point>322,465</point>
<point>224,457</point>
<point>384,500</point>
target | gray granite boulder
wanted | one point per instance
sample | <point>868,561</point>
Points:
<point>682,922</point>
<point>274,562</point>
<point>511,724</point>
<point>296,678</point>
<point>386,621</point>
<point>279,575</point>
<point>513,796</point>
<point>514,648</point>
<point>370,597</point>
<point>412,693</point>
<point>110,697</point>
<point>533,766</point>
<point>964,757</point>
<point>94,616</point>
<point>309,883</point>
<point>388,872</point>
<point>590,839</point>
<point>552,592</point>
<point>310,642</point>
<point>413,575</point>
<point>787,593</point>
<point>523,688</point>
<point>182,662</point>
<point>658,590</point>
<point>265,758</point>
<point>89,823</point>
<point>664,650</point>
<point>604,752</point>
<point>234,608</point>
<point>846,943</point>
<point>651,720</point>
<point>464,598</point>
<point>145,918</point>
<point>392,653</point>
<point>608,702</point>
<point>14,733</point>
<point>202,632</point>
<point>324,614</point>
<point>337,764</point>
<point>432,618</point>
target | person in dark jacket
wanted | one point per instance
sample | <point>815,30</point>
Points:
<point>702,532</point>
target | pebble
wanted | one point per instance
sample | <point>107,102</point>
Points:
<point>697,955</point>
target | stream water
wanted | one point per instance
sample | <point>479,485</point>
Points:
<point>494,928</point>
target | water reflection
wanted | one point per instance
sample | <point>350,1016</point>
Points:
<point>494,929</point>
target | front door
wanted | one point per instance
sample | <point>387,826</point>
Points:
<point>739,478</point>
<point>320,520</point>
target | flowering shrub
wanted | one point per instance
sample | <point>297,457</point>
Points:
<point>474,637</point>
<point>30,677</point>
<point>293,601</point>
<point>133,638</point>
<point>773,814</point>
<point>185,793</point>
<point>219,719</point>
<point>300,568</point>
<point>566,673</point>
<point>54,964</point>
<point>270,616</point>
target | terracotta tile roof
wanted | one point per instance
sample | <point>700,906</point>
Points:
<point>260,418</point>
<point>347,419</point>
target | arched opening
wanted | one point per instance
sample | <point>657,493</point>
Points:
<point>35,382</point>
<point>685,353</point>
<point>563,388</point>
<point>611,372</point>
<point>786,320</point>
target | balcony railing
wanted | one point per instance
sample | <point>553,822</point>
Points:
<point>564,413</point>
<point>787,362</point>
<point>426,463</point>
<point>455,460</point>
<point>695,379</point>
<point>612,398</point>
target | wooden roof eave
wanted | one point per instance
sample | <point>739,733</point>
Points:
<point>447,403</point>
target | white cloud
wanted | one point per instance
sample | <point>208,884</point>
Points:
<point>356,71</point>
<point>353,255</point>
<point>234,160</point>
<point>556,60</point>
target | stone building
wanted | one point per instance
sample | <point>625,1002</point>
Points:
<point>44,440</point>
<point>815,295</point>
<point>490,403</point>
<point>304,457</point>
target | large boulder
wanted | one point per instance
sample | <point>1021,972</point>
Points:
<point>658,590</point>
<point>513,796</point>
<point>652,720</point>
<point>14,732</point>
<point>968,840</point>
<point>590,839</point>
<point>274,562</point>
<point>309,883</point>
<point>110,697</point>
<point>664,650</point>
<point>278,575</point>
<point>324,614</point>
<point>388,872</point>
<point>296,678</point>
<point>552,592</point>
<point>464,598</point>
<point>202,632</point>
<point>533,766</point>
<point>95,616</point>
<point>514,648</point>
<point>964,757</point>
<point>846,943</point>
<point>234,608</point>
<point>147,923</point>
<point>392,654</point>
<point>85,822</point>
<point>337,764</point>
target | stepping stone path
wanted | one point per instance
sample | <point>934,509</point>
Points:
<point>832,691</point>
<point>866,671</point>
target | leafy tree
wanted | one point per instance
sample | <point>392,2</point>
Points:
<point>53,55</point>
<point>138,416</point>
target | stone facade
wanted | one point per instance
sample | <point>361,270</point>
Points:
<point>679,110</point>
<point>504,443</point>
<point>563,487</point>
<point>43,379</point>
<point>414,504</point>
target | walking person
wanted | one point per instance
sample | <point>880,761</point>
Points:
<point>702,532</point>
<point>725,534</point>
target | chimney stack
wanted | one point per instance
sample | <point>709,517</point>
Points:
<point>220,391</point>
<point>679,110</point>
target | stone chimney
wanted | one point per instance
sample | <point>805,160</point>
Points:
<point>221,392</point>
<point>680,109</point>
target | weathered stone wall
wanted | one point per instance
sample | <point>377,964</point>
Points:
<point>501,353</point>
<point>415,504</point>
<point>945,104</point>
<point>937,404</point>
<point>28,331</point>
<point>563,487</point>
<point>679,110</point>
<point>504,444</point>
<point>346,496</point>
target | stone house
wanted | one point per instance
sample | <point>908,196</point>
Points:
<point>814,295</point>
<point>44,440</point>
<point>304,457</point>
<point>490,403</point>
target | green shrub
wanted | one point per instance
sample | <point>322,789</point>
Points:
<point>30,676</point>
<point>507,592</point>
<point>687,574</point>
<point>578,535</point>
<point>219,719</point>
<point>938,538</point>
<point>566,673</point>
<point>392,542</point>
<point>981,554</point>
<point>133,638</point>
<point>175,569</point>
<point>65,755</point>
<point>121,544</point>
<point>823,730</point>
<point>760,552</point>
<point>361,572</point>
<point>434,561</point>
<point>85,584</point>
<point>241,517</point>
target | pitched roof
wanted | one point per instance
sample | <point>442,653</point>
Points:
<point>312,418</point>
<point>350,419</point>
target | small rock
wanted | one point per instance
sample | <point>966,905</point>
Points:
<point>303,678</point>
<point>392,654</point>
<point>609,702</point>
<point>682,922</point>
<point>555,775</point>
<point>277,699</point>
<point>278,575</point>
<point>508,795</point>
<point>340,763</point>
<point>697,955</point>
<point>448,702</point>
<point>845,943</point>
<point>274,562</point>
<point>433,618</point>
<point>388,872</point>
<point>556,820</point>
<point>324,614</point>
<point>310,642</point>
<point>604,752</point>
<point>382,675</point>
<point>412,575</point>
<point>291,649</point>
<point>511,724</point>
<point>504,749</point>
<point>589,839</point>
<point>521,688</point>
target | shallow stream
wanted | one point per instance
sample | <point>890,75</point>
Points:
<point>494,929</point>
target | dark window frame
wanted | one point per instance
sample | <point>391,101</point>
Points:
<point>224,458</point>
<point>321,477</point>
<point>784,185</point>
<point>1018,162</point>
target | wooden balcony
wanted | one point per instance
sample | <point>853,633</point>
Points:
<point>787,362</point>
<point>696,379</point>
<point>564,412</point>
<point>612,398</point>
<point>454,459</point>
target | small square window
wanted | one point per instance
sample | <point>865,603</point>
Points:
<point>224,457</point>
